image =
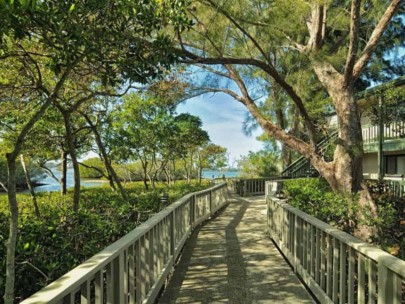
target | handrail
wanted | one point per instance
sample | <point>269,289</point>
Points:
<point>337,267</point>
<point>251,186</point>
<point>134,268</point>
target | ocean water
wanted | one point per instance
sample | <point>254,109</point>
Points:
<point>219,174</point>
<point>50,184</point>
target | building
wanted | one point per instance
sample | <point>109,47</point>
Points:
<point>384,136</point>
<point>383,129</point>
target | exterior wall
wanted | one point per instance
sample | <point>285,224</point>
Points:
<point>370,166</point>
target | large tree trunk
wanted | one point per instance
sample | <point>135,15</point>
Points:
<point>346,173</point>
<point>30,186</point>
<point>75,164</point>
<point>63,165</point>
<point>12,238</point>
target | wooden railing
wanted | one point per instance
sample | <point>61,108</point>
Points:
<point>251,186</point>
<point>134,268</point>
<point>395,130</point>
<point>337,267</point>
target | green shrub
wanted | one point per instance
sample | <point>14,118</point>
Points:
<point>390,214</point>
<point>61,239</point>
<point>315,197</point>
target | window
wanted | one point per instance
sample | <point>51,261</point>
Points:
<point>391,165</point>
<point>395,164</point>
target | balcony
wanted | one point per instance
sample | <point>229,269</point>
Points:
<point>393,140</point>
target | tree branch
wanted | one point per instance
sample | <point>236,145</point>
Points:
<point>316,26</point>
<point>94,168</point>
<point>239,27</point>
<point>353,44</point>
<point>48,171</point>
<point>375,37</point>
<point>3,186</point>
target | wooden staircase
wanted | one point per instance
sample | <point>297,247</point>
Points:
<point>302,167</point>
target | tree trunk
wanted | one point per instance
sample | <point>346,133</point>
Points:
<point>174,172</point>
<point>346,173</point>
<point>75,164</point>
<point>200,174</point>
<point>145,174</point>
<point>107,161</point>
<point>12,238</point>
<point>109,167</point>
<point>30,186</point>
<point>63,164</point>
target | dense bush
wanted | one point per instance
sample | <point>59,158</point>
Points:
<point>391,217</point>
<point>315,197</point>
<point>51,245</point>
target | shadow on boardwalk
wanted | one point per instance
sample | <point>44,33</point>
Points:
<point>232,260</point>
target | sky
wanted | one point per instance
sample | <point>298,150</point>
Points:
<point>223,118</point>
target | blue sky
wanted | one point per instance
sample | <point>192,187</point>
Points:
<point>223,118</point>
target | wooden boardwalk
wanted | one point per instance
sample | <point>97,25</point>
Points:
<point>231,259</point>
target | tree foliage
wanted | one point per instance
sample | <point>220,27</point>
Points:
<point>264,163</point>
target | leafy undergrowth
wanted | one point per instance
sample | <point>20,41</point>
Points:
<point>315,197</point>
<point>50,246</point>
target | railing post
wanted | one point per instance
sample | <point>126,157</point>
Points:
<point>192,211</point>
<point>387,292</point>
<point>118,281</point>
<point>210,203</point>
<point>296,241</point>
<point>172,234</point>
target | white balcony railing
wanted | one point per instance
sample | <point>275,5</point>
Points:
<point>395,130</point>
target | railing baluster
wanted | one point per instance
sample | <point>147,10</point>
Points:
<point>99,287</point>
<point>85,297</point>
<point>351,276</point>
<point>342,271</point>
<point>329,269</point>
<point>361,282</point>
<point>69,298</point>
<point>372,282</point>
<point>109,281</point>
<point>313,255</point>
<point>388,289</point>
<point>131,274</point>
<point>336,274</point>
<point>304,245</point>
<point>323,261</point>
<point>317,255</point>
<point>151,256</point>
